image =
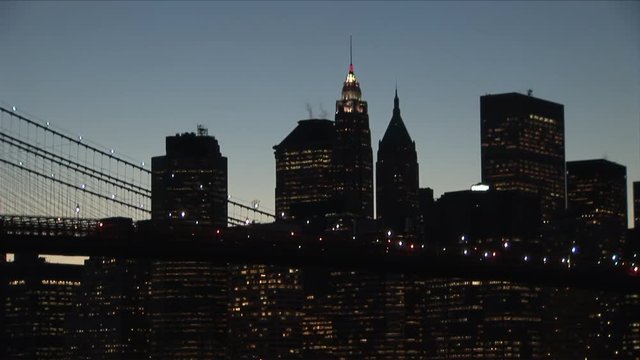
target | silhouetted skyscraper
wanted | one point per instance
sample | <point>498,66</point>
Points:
<point>352,154</point>
<point>397,177</point>
<point>303,172</point>
<point>522,141</point>
<point>597,197</point>
<point>189,183</point>
<point>188,299</point>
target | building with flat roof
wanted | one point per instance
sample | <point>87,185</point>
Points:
<point>597,200</point>
<point>522,148</point>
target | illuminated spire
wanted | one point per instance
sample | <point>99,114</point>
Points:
<point>351,87</point>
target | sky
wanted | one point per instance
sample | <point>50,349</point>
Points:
<point>127,74</point>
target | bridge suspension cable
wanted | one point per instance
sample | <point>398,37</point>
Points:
<point>44,172</point>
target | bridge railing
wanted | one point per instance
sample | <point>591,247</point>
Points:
<point>47,226</point>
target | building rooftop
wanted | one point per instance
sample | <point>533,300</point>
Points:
<point>309,133</point>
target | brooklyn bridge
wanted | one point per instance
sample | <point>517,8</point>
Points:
<point>56,188</point>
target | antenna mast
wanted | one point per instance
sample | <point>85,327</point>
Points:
<point>350,49</point>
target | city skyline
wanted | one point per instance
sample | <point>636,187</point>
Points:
<point>139,80</point>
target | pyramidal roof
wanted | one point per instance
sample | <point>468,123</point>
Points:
<point>396,132</point>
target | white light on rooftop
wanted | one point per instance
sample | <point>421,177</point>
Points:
<point>480,187</point>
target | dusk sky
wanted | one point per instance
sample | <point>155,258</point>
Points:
<point>126,74</point>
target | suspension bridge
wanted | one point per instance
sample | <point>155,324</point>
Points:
<point>45,172</point>
<point>55,187</point>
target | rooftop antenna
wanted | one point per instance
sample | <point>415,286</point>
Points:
<point>202,131</point>
<point>350,49</point>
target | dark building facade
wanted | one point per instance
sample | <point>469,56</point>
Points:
<point>636,204</point>
<point>303,172</point>
<point>189,183</point>
<point>188,299</point>
<point>472,319</point>
<point>426,205</point>
<point>352,155</point>
<point>376,316</point>
<point>397,178</point>
<point>487,220</point>
<point>597,200</point>
<point>110,317</point>
<point>522,139</point>
<point>39,303</point>
<point>632,244</point>
<point>265,312</point>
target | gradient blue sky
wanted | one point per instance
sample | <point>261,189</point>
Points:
<point>127,74</point>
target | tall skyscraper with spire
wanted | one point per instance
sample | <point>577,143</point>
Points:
<point>397,177</point>
<point>352,156</point>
